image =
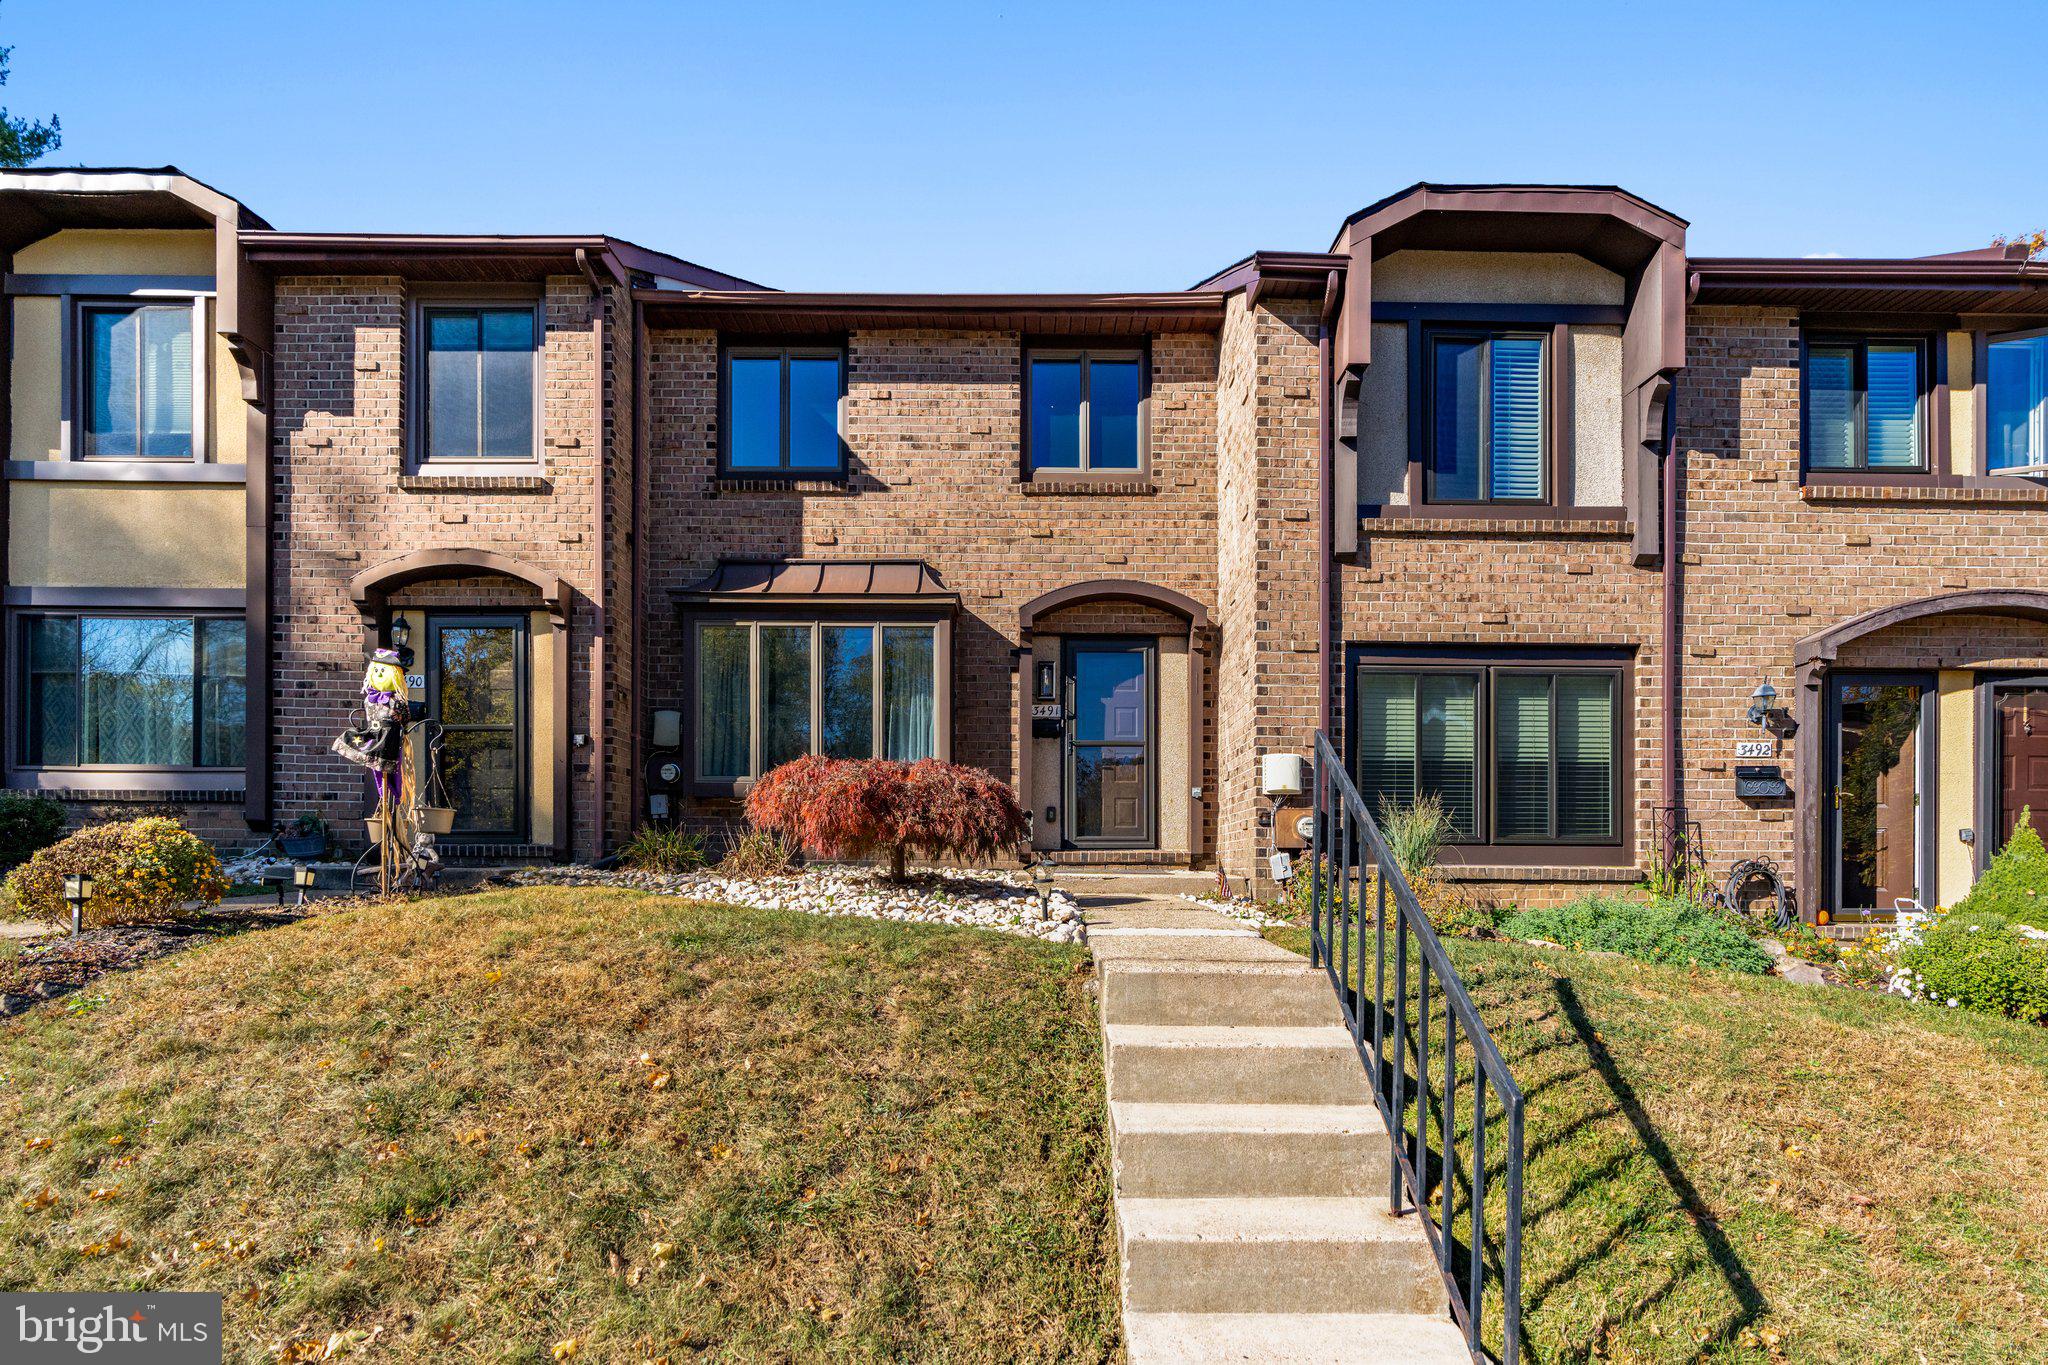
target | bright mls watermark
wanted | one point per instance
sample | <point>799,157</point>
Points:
<point>160,1329</point>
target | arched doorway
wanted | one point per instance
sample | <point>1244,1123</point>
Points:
<point>1112,720</point>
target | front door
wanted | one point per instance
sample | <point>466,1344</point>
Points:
<point>476,688</point>
<point>2022,759</point>
<point>1109,744</point>
<point>1879,790</point>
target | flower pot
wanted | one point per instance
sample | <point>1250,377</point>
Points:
<point>374,826</point>
<point>437,819</point>
<point>303,848</point>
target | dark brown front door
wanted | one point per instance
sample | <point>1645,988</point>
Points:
<point>2022,760</point>
<point>1109,744</point>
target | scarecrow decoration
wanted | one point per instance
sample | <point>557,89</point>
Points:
<point>386,742</point>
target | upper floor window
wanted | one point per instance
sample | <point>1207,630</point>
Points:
<point>1863,403</point>
<point>1488,416</point>
<point>782,409</point>
<point>132,692</point>
<point>482,391</point>
<point>1085,409</point>
<point>139,380</point>
<point>2017,396</point>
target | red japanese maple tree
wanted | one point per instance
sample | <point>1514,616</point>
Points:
<point>877,808</point>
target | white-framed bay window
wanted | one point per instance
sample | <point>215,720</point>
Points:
<point>765,691</point>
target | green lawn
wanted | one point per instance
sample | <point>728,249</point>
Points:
<point>472,1128</point>
<point>1733,1167</point>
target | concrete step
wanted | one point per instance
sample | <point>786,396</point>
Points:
<point>1213,1064</point>
<point>1293,1339</point>
<point>1295,1255</point>
<point>1271,993</point>
<point>1199,1151</point>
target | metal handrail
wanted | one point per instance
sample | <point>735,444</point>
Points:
<point>1347,840</point>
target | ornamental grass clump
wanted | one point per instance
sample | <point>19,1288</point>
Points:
<point>873,808</point>
<point>658,848</point>
<point>1673,932</point>
<point>144,872</point>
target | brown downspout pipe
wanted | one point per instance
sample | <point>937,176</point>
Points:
<point>1326,493</point>
<point>1674,471</point>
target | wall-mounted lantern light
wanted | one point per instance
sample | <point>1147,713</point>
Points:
<point>1760,702</point>
<point>401,632</point>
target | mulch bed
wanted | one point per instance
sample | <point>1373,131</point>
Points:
<point>49,968</point>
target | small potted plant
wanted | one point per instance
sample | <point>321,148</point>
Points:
<point>305,838</point>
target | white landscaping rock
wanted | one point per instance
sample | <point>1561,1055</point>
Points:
<point>1241,908</point>
<point>1003,901</point>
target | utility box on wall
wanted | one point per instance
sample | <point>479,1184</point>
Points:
<point>1283,775</point>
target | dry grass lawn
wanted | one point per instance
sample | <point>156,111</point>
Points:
<point>473,1128</point>
<point>1732,1167</point>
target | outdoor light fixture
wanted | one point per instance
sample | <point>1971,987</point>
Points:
<point>401,632</point>
<point>302,878</point>
<point>77,891</point>
<point>1041,882</point>
<point>1760,704</point>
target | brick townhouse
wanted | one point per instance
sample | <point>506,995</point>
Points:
<point>1516,501</point>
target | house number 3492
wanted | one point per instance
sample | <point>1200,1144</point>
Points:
<point>1754,748</point>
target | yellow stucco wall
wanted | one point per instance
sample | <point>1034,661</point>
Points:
<point>1962,403</point>
<point>124,536</point>
<point>118,251</point>
<point>1955,784</point>
<point>34,378</point>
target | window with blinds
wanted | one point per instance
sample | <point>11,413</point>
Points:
<point>1863,404</point>
<point>1516,755</point>
<point>1486,426</point>
<point>138,380</point>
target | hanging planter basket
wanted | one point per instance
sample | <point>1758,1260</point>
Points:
<point>437,819</point>
<point>374,826</point>
<point>437,816</point>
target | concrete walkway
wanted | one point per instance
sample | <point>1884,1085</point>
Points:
<point>1251,1165</point>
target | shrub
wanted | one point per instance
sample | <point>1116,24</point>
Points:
<point>1674,932</point>
<point>876,808</point>
<point>28,825</point>
<point>1415,832</point>
<point>1977,960</point>
<point>658,848</point>
<point>757,853</point>
<point>2015,885</point>
<point>143,871</point>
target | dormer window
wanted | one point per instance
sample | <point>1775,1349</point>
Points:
<point>1487,417</point>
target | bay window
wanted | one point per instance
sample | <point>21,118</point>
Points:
<point>1518,752</point>
<point>131,691</point>
<point>771,691</point>
<point>2016,385</point>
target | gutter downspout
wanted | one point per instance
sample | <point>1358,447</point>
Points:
<point>1674,470</point>
<point>1326,492</point>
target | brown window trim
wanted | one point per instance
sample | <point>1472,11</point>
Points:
<point>1087,347</point>
<point>938,618</point>
<point>1617,662</point>
<point>801,347</point>
<point>423,299</point>
<point>1558,472</point>
<point>1933,415</point>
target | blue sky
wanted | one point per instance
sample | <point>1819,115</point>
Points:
<point>978,146</point>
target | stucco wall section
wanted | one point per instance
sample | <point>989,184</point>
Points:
<point>124,536</point>
<point>1955,784</point>
<point>1596,416</point>
<point>119,251</point>
<point>1493,277</point>
<point>1383,420</point>
<point>1962,403</point>
<point>35,378</point>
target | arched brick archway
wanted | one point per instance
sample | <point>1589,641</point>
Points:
<point>1126,590</point>
<point>1815,655</point>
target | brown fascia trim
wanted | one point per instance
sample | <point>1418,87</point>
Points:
<point>359,249</point>
<point>1715,273</point>
<point>1180,311</point>
<point>1423,197</point>
<point>1302,273</point>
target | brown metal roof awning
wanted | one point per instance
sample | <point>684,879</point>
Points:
<point>821,582</point>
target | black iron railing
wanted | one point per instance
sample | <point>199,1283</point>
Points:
<point>1412,1020</point>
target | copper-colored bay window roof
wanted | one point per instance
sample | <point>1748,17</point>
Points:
<point>820,582</point>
